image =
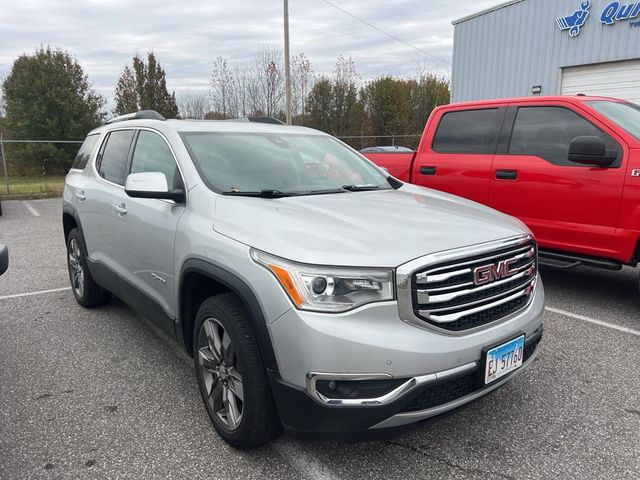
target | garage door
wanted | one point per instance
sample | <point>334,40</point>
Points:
<point>618,79</point>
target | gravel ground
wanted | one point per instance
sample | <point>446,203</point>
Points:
<point>103,394</point>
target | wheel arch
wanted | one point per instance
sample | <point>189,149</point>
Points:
<point>70,221</point>
<point>199,280</point>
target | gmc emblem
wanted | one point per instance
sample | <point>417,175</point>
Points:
<point>491,273</point>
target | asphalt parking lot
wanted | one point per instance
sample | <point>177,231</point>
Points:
<point>101,394</point>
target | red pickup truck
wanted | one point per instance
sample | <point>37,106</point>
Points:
<point>567,166</point>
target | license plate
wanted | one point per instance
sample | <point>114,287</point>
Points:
<point>503,359</point>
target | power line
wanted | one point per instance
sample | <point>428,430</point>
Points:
<point>387,33</point>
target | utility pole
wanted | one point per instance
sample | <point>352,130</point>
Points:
<point>287,68</point>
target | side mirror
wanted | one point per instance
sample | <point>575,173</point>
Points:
<point>590,150</point>
<point>4,259</point>
<point>151,185</point>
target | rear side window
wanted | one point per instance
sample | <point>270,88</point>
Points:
<point>153,155</point>
<point>82,158</point>
<point>466,131</point>
<point>113,156</point>
<point>547,132</point>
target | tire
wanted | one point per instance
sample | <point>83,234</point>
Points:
<point>231,374</point>
<point>85,290</point>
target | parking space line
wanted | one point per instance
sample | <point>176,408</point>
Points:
<point>32,210</point>
<point>307,465</point>
<point>594,321</point>
<point>30,294</point>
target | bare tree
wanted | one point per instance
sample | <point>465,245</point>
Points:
<point>223,88</point>
<point>194,104</point>
<point>242,79</point>
<point>302,79</point>
<point>266,84</point>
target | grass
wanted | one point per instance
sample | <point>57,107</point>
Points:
<point>31,186</point>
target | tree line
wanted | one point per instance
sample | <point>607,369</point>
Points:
<point>47,96</point>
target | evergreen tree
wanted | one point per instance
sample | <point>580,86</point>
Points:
<point>144,87</point>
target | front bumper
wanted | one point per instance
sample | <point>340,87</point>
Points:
<point>303,416</point>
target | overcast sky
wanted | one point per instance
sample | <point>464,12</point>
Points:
<point>187,35</point>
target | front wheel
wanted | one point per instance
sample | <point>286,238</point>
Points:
<point>86,291</point>
<point>231,374</point>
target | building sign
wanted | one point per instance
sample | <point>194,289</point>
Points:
<point>611,14</point>
<point>615,12</point>
<point>574,22</point>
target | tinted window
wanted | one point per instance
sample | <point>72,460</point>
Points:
<point>468,131</point>
<point>546,132</point>
<point>85,152</point>
<point>626,115</point>
<point>152,154</point>
<point>113,158</point>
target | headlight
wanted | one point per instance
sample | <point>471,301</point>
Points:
<point>328,289</point>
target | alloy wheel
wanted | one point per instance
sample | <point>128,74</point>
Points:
<point>220,375</point>
<point>75,264</point>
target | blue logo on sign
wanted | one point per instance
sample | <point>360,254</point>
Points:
<point>574,22</point>
<point>615,12</point>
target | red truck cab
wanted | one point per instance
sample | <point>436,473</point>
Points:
<point>567,166</point>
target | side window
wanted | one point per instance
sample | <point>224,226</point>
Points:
<point>546,132</point>
<point>466,131</point>
<point>113,156</point>
<point>152,154</point>
<point>86,149</point>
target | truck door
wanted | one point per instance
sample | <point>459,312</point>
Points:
<point>568,206</point>
<point>456,151</point>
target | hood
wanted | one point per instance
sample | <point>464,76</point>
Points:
<point>369,229</point>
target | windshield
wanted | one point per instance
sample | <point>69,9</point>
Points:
<point>625,115</point>
<point>283,163</point>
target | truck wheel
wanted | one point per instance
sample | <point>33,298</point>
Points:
<point>86,291</point>
<point>231,374</point>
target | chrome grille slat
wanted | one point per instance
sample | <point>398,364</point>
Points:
<point>446,294</point>
<point>426,296</point>
<point>457,316</point>
<point>467,306</point>
<point>428,277</point>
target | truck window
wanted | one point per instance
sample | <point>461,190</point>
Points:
<point>86,149</point>
<point>113,156</point>
<point>466,131</point>
<point>546,132</point>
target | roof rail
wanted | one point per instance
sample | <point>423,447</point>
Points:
<point>139,115</point>
<point>260,119</point>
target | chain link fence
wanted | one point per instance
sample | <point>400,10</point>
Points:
<point>35,168</point>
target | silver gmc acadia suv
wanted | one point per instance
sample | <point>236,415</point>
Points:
<point>315,292</point>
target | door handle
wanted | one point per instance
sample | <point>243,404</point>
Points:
<point>120,209</point>
<point>81,196</point>
<point>428,170</point>
<point>507,174</point>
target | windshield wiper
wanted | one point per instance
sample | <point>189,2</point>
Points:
<point>360,188</point>
<point>260,194</point>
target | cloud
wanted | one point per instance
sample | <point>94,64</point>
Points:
<point>188,35</point>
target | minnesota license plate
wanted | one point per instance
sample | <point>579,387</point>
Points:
<point>503,359</point>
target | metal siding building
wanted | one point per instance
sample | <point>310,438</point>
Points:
<point>508,50</point>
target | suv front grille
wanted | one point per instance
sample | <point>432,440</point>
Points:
<point>475,290</point>
<point>459,387</point>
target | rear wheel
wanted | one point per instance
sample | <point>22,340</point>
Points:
<point>231,374</point>
<point>85,290</point>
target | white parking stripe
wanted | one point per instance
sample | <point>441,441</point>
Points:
<point>30,294</point>
<point>306,464</point>
<point>32,210</point>
<point>594,321</point>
